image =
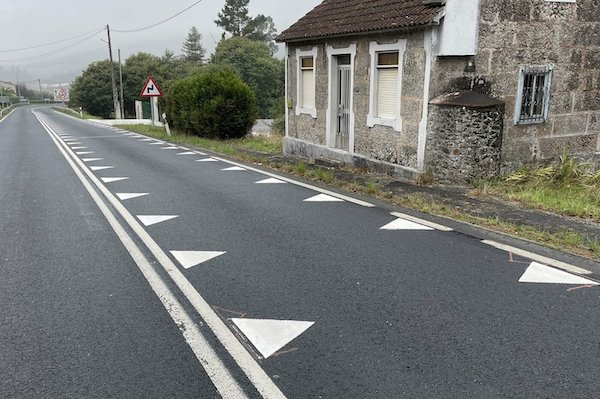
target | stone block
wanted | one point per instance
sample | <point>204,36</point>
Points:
<point>551,148</point>
<point>586,101</point>
<point>570,124</point>
<point>588,10</point>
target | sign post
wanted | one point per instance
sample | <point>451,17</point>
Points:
<point>152,90</point>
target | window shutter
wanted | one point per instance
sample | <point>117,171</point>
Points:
<point>387,87</point>
<point>308,89</point>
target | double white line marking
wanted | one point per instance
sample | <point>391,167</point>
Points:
<point>224,382</point>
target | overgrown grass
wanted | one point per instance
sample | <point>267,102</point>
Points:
<point>568,188</point>
<point>271,145</point>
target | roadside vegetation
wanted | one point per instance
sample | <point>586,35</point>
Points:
<point>569,188</point>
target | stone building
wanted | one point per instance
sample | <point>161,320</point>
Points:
<point>460,88</point>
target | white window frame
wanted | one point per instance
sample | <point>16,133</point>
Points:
<point>374,49</point>
<point>299,83</point>
<point>547,70</point>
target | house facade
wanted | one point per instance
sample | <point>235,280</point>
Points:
<point>458,88</point>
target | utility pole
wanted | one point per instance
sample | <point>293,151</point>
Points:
<point>121,85</point>
<point>112,74</point>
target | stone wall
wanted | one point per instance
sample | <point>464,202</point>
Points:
<point>464,144</point>
<point>534,32</point>
<point>377,143</point>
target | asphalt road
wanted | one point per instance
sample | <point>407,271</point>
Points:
<point>196,277</point>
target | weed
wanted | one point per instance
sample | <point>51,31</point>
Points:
<point>300,168</point>
<point>371,188</point>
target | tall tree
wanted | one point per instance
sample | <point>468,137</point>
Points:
<point>253,61</point>
<point>192,47</point>
<point>262,28</point>
<point>233,18</point>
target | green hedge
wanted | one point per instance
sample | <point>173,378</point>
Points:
<point>213,103</point>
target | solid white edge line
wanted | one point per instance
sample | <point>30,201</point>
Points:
<point>538,258</point>
<point>298,183</point>
<point>421,221</point>
<point>257,376</point>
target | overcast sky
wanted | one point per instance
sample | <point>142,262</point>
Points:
<point>27,23</point>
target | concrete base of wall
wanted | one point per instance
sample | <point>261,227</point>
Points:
<point>312,152</point>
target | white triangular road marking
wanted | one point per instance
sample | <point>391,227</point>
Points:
<point>113,179</point>
<point>323,198</point>
<point>271,181</point>
<point>233,168</point>
<point>207,160</point>
<point>187,153</point>
<point>189,259</point>
<point>269,336</point>
<point>91,159</point>
<point>127,196</point>
<point>149,220</point>
<point>402,224</point>
<point>96,168</point>
<point>542,274</point>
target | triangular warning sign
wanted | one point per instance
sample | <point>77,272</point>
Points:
<point>150,89</point>
<point>542,274</point>
<point>268,336</point>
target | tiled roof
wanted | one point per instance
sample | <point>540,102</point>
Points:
<point>346,17</point>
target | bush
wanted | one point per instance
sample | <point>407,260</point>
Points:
<point>213,103</point>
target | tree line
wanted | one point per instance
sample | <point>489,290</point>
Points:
<point>247,47</point>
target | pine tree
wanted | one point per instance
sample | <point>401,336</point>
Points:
<point>234,18</point>
<point>192,47</point>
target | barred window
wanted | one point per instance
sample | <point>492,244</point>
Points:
<point>533,96</point>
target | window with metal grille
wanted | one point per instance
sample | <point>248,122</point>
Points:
<point>533,97</point>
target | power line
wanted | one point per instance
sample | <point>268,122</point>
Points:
<point>54,52</point>
<point>158,23</point>
<point>53,43</point>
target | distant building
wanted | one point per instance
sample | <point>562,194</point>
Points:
<point>458,88</point>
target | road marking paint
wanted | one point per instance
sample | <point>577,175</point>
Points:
<point>187,153</point>
<point>271,181</point>
<point>323,198</point>
<point>149,220</point>
<point>189,259</point>
<point>301,184</point>
<point>538,258</point>
<point>85,152</point>
<point>97,168</point>
<point>269,336</point>
<point>128,196</point>
<point>91,159</point>
<point>113,179</point>
<point>207,160</point>
<point>421,221</point>
<point>542,274</point>
<point>232,169</point>
<point>222,379</point>
<point>402,224</point>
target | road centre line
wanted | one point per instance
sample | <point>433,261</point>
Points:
<point>259,378</point>
<point>298,183</point>
<point>538,258</point>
